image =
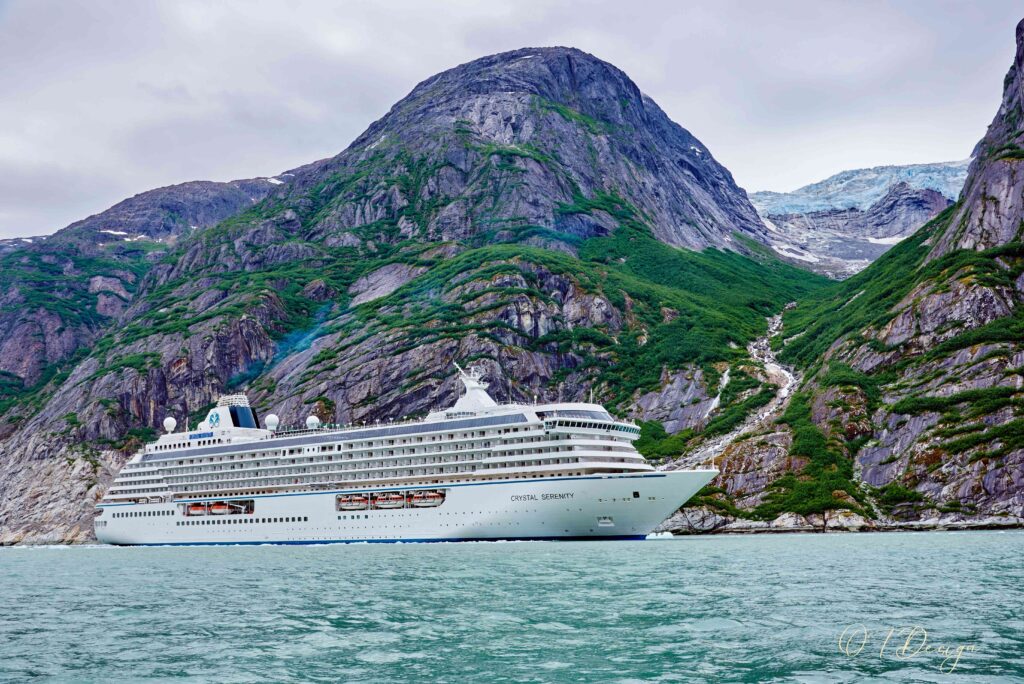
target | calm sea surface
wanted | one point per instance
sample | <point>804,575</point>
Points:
<point>716,609</point>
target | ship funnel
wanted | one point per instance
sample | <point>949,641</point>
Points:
<point>476,396</point>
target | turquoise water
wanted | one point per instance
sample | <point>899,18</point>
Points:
<point>719,609</point>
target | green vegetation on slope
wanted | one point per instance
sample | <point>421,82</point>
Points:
<point>842,375</point>
<point>825,483</point>
<point>868,299</point>
<point>962,423</point>
<point>655,443</point>
<point>866,303</point>
<point>717,301</point>
<point>681,307</point>
<point>862,301</point>
<point>54,280</point>
<point>57,282</point>
<point>592,125</point>
<point>743,395</point>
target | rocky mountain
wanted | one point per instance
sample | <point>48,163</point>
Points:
<point>59,293</point>
<point>841,242</point>
<point>911,407</point>
<point>841,224</point>
<point>531,212</point>
<point>167,213</point>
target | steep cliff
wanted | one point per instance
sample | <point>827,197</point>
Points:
<point>524,211</point>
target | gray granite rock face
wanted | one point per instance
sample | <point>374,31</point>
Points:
<point>375,374</point>
<point>682,402</point>
<point>168,212</point>
<point>931,314</point>
<point>382,282</point>
<point>993,197</point>
<point>749,466</point>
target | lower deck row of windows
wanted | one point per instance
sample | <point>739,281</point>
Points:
<point>228,521</point>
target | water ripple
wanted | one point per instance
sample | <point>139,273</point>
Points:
<point>722,609</point>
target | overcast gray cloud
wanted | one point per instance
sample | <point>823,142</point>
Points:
<point>102,100</point>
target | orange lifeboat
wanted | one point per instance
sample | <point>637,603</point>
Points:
<point>389,500</point>
<point>219,508</point>
<point>197,509</point>
<point>352,502</point>
<point>427,499</point>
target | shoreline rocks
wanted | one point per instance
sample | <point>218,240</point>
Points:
<point>702,520</point>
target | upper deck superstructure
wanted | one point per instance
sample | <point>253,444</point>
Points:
<point>230,454</point>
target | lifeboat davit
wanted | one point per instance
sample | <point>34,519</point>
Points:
<point>427,499</point>
<point>197,509</point>
<point>389,500</point>
<point>353,502</point>
<point>219,508</point>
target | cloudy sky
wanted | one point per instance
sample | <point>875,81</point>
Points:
<point>102,100</point>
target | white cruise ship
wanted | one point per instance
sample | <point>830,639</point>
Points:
<point>477,471</point>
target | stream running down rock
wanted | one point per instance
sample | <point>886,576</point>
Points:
<point>783,377</point>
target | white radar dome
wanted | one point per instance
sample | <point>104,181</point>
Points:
<point>272,421</point>
<point>170,424</point>
<point>312,422</point>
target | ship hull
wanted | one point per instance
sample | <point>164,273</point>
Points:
<point>588,507</point>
